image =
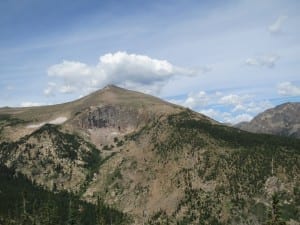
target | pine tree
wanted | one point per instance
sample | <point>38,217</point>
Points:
<point>24,214</point>
<point>275,217</point>
<point>100,212</point>
<point>73,213</point>
<point>45,213</point>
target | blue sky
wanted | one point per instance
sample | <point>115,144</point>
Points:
<point>227,59</point>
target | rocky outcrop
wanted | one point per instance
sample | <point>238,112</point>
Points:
<point>109,116</point>
<point>104,123</point>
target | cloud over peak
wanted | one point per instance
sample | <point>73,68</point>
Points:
<point>121,68</point>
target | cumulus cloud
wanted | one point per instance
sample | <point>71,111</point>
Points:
<point>211,113</point>
<point>234,119</point>
<point>277,25</point>
<point>127,70</point>
<point>225,107</point>
<point>253,107</point>
<point>69,69</point>
<point>196,99</point>
<point>49,91</point>
<point>288,89</point>
<point>30,104</point>
<point>263,61</point>
<point>233,99</point>
<point>67,89</point>
<point>226,117</point>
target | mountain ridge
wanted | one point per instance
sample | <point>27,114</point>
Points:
<point>158,162</point>
<point>281,120</point>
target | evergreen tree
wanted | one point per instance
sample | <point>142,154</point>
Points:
<point>73,213</point>
<point>100,212</point>
<point>275,217</point>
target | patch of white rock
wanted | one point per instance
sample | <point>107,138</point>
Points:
<point>58,120</point>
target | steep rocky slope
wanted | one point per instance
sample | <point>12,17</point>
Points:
<point>282,120</point>
<point>52,158</point>
<point>158,162</point>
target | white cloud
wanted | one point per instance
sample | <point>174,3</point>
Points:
<point>234,119</point>
<point>196,100</point>
<point>288,89</point>
<point>227,108</point>
<point>263,61</point>
<point>49,91</point>
<point>251,62</point>
<point>69,69</point>
<point>128,70</point>
<point>67,89</point>
<point>29,104</point>
<point>211,113</point>
<point>233,99</point>
<point>253,107</point>
<point>236,103</point>
<point>226,117</point>
<point>277,25</point>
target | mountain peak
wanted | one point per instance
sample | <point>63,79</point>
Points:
<point>110,86</point>
<point>115,95</point>
<point>141,153</point>
<point>280,120</point>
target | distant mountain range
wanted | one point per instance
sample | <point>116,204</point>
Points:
<point>141,160</point>
<point>283,120</point>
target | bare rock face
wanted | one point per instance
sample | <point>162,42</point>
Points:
<point>106,122</point>
<point>110,117</point>
<point>282,120</point>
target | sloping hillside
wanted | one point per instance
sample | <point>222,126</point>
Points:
<point>158,162</point>
<point>24,203</point>
<point>184,170</point>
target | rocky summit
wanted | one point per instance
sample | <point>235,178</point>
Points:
<point>130,158</point>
